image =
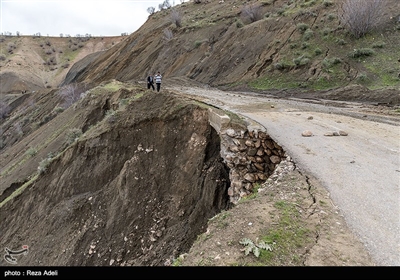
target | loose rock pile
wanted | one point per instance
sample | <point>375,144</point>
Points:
<point>251,156</point>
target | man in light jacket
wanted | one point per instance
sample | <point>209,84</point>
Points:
<point>158,78</point>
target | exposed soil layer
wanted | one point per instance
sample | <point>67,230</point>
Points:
<point>136,189</point>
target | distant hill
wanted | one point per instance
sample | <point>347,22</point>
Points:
<point>29,63</point>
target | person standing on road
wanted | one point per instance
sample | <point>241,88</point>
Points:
<point>150,81</point>
<point>158,78</point>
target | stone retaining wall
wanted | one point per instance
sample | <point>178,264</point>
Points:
<point>250,153</point>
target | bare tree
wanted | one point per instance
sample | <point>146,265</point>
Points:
<point>151,10</point>
<point>360,17</point>
<point>165,5</point>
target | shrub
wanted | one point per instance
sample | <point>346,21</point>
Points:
<point>281,65</point>
<point>340,42</point>
<point>46,119</point>
<point>305,45</point>
<point>362,78</point>
<point>239,23</point>
<point>335,60</point>
<point>252,13</point>
<point>111,116</point>
<point>308,34</point>
<point>331,17</point>
<point>329,62</point>
<point>356,53</point>
<point>378,45</point>
<point>72,135</point>
<point>168,35</point>
<point>58,109</point>
<point>31,152</point>
<point>326,31</point>
<point>305,13</point>
<point>327,3</point>
<point>4,110</point>
<point>43,165</point>
<point>176,18</point>
<point>360,17</point>
<point>318,51</point>
<point>70,93</point>
<point>197,44</point>
<point>301,60</point>
<point>302,27</point>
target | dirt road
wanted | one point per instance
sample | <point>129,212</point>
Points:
<point>360,170</point>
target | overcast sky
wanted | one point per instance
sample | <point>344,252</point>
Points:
<point>73,17</point>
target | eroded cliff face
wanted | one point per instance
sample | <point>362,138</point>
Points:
<point>136,188</point>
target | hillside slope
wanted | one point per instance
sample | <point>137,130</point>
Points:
<point>296,44</point>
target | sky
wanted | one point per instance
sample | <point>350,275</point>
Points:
<point>75,17</point>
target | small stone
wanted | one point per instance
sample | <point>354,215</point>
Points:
<point>230,132</point>
<point>275,159</point>
<point>250,177</point>
<point>343,133</point>
<point>307,133</point>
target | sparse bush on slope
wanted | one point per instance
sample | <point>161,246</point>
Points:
<point>360,17</point>
<point>4,110</point>
<point>176,18</point>
<point>252,12</point>
<point>70,93</point>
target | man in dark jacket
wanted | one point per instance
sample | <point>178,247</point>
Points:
<point>150,82</point>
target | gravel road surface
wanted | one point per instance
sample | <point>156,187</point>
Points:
<point>361,170</point>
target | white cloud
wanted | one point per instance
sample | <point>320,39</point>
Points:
<point>94,17</point>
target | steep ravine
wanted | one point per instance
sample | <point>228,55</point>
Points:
<point>135,189</point>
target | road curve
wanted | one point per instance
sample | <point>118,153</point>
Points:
<point>361,171</point>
